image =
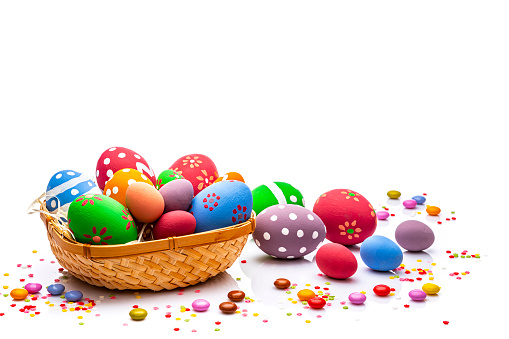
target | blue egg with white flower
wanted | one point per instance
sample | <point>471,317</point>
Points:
<point>55,289</point>
<point>64,187</point>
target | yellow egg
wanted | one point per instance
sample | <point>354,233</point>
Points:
<point>19,294</point>
<point>430,288</point>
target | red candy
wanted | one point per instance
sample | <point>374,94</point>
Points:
<point>316,302</point>
<point>382,290</point>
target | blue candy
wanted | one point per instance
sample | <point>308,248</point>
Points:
<point>55,289</point>
<point>73,295</point>
<point>419,199</point>
<point>380,253</point>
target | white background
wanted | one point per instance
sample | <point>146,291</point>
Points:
<point>365,95</point>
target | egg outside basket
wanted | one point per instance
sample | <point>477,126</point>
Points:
<point>155,265</point>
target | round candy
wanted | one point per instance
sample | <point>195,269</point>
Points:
<point>144,202</point>
<point>199,169</point>
<point>282,283</point>
<point>411,203</point>
<point>430,288</point>
<point>33,287</point>
<point>382,290</point>
<point>394,194</point>
<point>236,295</point>
<point>347,215</point>
<point>419,199</point>
<point>117,158</point>
<point>73,295</point>
<point>288,231</point>
<point>200,305</point>
<point>380,253</point>
<point>231,176</point>
<point>55,289</point>
<point>275,193</point>
<point>417,295</point>
<point>382,215</point>
<point>166,176</point>
<point>316,302</point>
<point>117,186</point>
<point>177,195</point>
<point>305,294</point>
<point>19,294</point>
<point>357,298</point>
<point>138,314</point>
<point>433,210</point>
<point>336,261</point>
<point>174,224</point>
<point>228,307</point>
<point>414,235</point>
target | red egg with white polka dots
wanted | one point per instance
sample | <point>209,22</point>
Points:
<point>199,169</point>
<point>117,158</point>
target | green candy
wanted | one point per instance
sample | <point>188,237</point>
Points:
<point>167,176</point>
<point>275,193</point>
<point>97,219</point>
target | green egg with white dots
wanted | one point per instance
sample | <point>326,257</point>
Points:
<point>275,193</point>
<point>138,314</point>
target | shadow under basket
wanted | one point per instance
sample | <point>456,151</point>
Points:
<point>170,263</point>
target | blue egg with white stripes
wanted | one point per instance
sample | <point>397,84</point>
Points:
<point>64,187</point>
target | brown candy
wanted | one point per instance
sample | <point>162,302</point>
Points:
<point>236,295</point>
<point>282,283</point>
<point>228,307</point>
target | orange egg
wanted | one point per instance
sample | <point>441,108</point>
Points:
<point>117,186</point>
<point>144,202</point>
<point>19,294</point>
<point>305,294</point>
<point>433,210</point>
<point>231,176</point>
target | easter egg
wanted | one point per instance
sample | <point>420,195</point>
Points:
<point>199,169</point>
<point>55,289</point>
<point>117,186</point>
<point>64,187</point>
<point>177,195</point>
<point>144,202</point>
<point>316,302</point>
<point>336,261</point>
<point>19,294</point>
<point>174,224</point>
<point>393,194</point>
<point>166,176</point>
<point>275,193</point>
<point>417,295</point>
<point>419,199</point>
<point>33,288</point>
<point>430,288</point>
<point>381,253</point>
<point>357,298</point>
<point>117,158</point>
<point>414,235</point>
<point>138,313</point>
<point>73,295</point>
<point>231,176</point>
<point>100,220</point>
<point>347,215</point>
<point>288,231</point>
<point>223,204</point>
<point>433,210</point>
<point>200,305</point>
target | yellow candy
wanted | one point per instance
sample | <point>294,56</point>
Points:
<point>19,294</point>
<point>394,194</point>
<point>431,288</point>
<point>305,294</point>
<point>138,314</point>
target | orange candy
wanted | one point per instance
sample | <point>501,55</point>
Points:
<point>231,176</point>
<point>305,295</point>
<point>432,210</point>
<point>117,186</point>
<point>19,294</point>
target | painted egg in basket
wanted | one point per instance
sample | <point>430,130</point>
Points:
<point>222,204</point>
<point>100,220</point>
<point>117,186</point>
<point>199,169</point>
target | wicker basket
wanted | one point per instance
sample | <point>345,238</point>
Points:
<point>156,265</point>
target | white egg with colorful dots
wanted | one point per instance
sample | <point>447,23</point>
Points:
<point>288,231</point>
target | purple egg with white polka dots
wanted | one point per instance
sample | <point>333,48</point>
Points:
<point>288,231</point>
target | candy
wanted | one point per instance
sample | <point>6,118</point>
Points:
<point>73,295</point>
<point>228,307</point>
<point>419,199</point>
<point>414,235</point>
<point>282,283</point>
<point>19,293</point>
<point>430,288</point>
<point>316,302</point>
<point>305,294</point>
<point>417,295</point>
<point>433,210</point>
<point>381,253</point>
<point>382,215</point>
<point>236,295</point>
<point>382,290</point>
<point>393,194</point>
<point>138,314</point>
<point>33,287</point>
<point>411,203</point>
<point>55,289</point>
<point>200,305</point>
<point>357,298</point>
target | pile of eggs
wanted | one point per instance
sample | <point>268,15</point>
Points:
<point>126,197</point>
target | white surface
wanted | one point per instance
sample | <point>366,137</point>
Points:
<point>369,96</point>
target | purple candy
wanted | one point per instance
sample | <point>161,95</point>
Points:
<point>414,235</point>
<point>410,203</point>
<point>288,231</point>
<point>33,287</point>
<point>382,215</point>
<point>417,295</point>
<point>200,305</point>
<point>177,195</point>
<point>357,298</point>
